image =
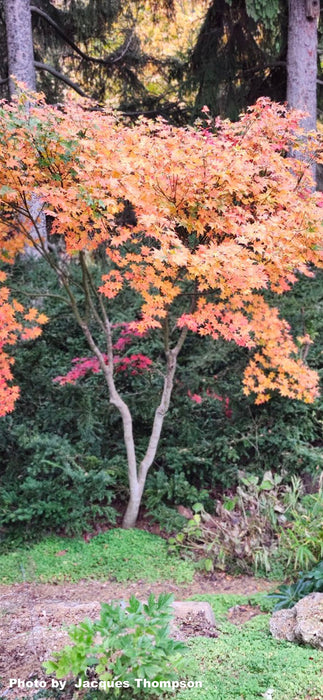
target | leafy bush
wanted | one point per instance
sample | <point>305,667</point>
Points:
<point>164,491</point>
<point>127,642</point>
<point>261,524</point>
<point>167,518</point>
<point>57,488</point>
<point>303,538</point>
<point>308,582</point>
<point>242,529</point>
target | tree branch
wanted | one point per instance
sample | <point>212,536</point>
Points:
<point>60,76</point>
<point>109,60</point>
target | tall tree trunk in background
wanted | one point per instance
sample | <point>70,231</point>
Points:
<point>21,68</point>
<point>20,44</point>
<point>302,60</point>
<point>302,57</point>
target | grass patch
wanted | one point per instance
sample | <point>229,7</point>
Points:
<point>244,662</point>
<point>121,555</point>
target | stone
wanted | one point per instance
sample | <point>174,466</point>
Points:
<point>191,607</point>
<point>282,625</point>
<point>191,619</point>
<point>303,623</point>
<point>309,620</point>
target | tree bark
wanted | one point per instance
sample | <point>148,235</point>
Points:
<point>21,68</point>
<point>20,44</point>
<point>138,484</point>
<point>136,491</point>
<point>302,58</point>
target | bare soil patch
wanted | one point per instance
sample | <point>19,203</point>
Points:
<point>32,615</point>
<point>239,614</point>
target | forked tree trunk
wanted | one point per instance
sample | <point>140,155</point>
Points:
<point>136,474</point>
<point>138,484</point>
<point>132,511</point>
<point>302,58</point>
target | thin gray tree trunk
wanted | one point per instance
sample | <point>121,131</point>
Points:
<point>131,514</point>
<point>137,476</point>
<point>302,58</point>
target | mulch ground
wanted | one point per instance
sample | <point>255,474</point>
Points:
<point>32,615</point>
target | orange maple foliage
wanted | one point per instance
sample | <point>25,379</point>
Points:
<point>222,214</point>
<point>11,328</point>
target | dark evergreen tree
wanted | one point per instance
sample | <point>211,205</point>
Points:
<point>240,55</point>
<point>83,45</point>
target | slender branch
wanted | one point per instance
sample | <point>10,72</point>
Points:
<point>41,295</point>
<point>162,409</point>
<point>49,20</point>
<point>85,286</point>
<point>181,341</point>
<point>123,48</point>
<point>166,334</point>
<point>60,76</point>
<point>109,60</point>
<point>107,370</point>
<point>105,325</point>
<point>87,291</point>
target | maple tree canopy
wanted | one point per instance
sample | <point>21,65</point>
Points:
<point>222,213</point>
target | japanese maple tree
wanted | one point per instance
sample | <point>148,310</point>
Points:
<point>220,213</point>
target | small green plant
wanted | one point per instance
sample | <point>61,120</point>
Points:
<point>308,582</point>
<point>126,643</point>
<point>167,518</point>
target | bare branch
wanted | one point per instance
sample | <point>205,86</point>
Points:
<point>60,76</point>
<point>109,60</point>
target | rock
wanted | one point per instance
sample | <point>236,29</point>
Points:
<point>303,623</point>
<point>192,607</point>
<point>192,619</point>
<point>309,620</point>
<point>282,625</point>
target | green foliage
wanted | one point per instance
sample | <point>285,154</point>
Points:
<point>230,66</point>
<point>264,12</point>
<point>264,522</point>
<point>57,489</point>
<point>308,582</point>
<point>303,539</point>
<point>167,518</point>
<point>164,490</point>
<point>123,555</point>
<point>127,642</point>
